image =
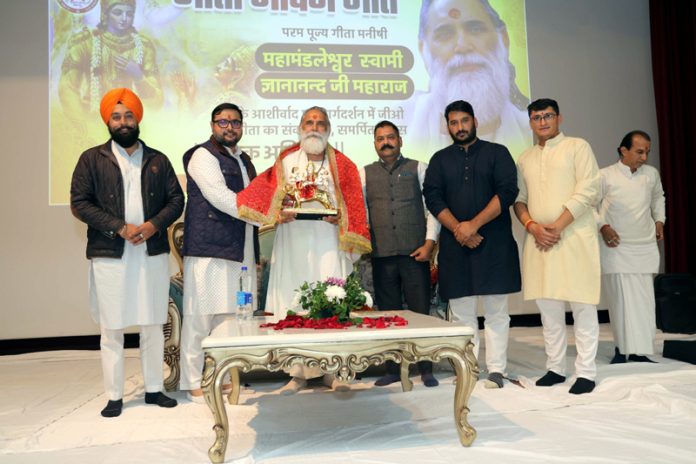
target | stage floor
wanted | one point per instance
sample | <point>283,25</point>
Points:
<point>639,413</point>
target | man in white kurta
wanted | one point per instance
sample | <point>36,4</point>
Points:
<point>129,265</point>
<point>309,250</point>
<point>211,274</point>
<point>631,220</point>
<point>559,187</point>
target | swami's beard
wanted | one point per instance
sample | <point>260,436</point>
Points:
<point>487,89</point>
<point>314,142</point>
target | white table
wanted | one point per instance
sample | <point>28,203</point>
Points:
<point>235,346</point>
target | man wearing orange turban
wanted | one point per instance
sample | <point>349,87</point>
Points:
<point>125,96</point>
<point>127,243</point>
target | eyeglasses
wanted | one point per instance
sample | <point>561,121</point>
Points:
<point>222,123</point>
<point>546,117</point>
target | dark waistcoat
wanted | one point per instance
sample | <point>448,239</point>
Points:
<point>395,204</point>
<point>208,232</point>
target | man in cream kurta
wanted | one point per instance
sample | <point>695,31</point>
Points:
<point>216,243</point>
<point>631,220</point>
<point>559,187</point>
<point>308,250</point>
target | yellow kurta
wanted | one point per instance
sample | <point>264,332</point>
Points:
<point>562,174</point>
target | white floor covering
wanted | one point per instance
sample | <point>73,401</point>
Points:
<point>639,413</point>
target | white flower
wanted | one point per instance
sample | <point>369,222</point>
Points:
<point>368,299</point>
<point>335,293</point>
<point>296,299</point>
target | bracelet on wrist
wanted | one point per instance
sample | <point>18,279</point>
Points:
<point>528,223</point>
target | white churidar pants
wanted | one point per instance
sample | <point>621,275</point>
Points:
<point>586,329</point>
<point>196,328</point>
<point>151,359</point>
<point>496,322</point>
<point>631,301</point>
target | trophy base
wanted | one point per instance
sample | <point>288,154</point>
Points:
<point>312,213</point>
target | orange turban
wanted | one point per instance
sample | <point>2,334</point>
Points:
<point>123,96</point>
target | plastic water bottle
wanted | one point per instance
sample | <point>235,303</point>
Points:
<point>244,307</point>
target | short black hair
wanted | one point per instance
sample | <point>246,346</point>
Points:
<point>459,105</point>
<point>226,106</point>
<point>627,141</point>
<point>542,104</point>
<point>386,124</point>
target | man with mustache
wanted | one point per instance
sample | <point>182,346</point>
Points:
<point>308,250</point>
<point>558,190</point>
<point>217,244</point>
<point>128,194</point>
<point>403,234</point>
<point>631,222</point>
<point>464,45</point>
<point>470,186</point>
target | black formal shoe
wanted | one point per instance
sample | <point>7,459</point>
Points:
<point>550,378</point>
<point>494,380</point>
<point>618,357</point>
<point>429,380</point>
<point>582,385</point>
<point>160,399</point>
<point>387,380</point>
<point>640,358</point>
<point>113,408</point>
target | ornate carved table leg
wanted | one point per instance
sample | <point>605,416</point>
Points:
<point>467,371</point>
<point>406,384</point>
<point>212,390</point>
<point>233,397</point>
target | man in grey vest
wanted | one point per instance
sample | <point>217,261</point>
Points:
<point>403,234</point>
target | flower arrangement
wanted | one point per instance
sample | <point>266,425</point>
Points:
<point>332,297</point>
<point>329,304</point>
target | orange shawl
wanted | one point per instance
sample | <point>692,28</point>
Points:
<point>261,200</point>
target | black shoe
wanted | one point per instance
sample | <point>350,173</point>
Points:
<point>582,385</point>
<point>494,380</point>
<point>113,408</point>
<point>160,399</point>
<point>550,378</point>
<point>429,380</point>
<point>387,380</point>
<point>640,359</point>
<point>618,357</point>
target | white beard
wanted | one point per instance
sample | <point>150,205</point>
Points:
<point>314,143</point>
<point>487,89</point>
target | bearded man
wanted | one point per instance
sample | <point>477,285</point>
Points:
<point>308,250</point>
<point>128,194</point>
<point>217,245</point>
<point>464,45</point>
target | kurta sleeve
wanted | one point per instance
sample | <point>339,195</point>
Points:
<point>434,187</point>
<point>204,169</point>
<point>432,225</point>
<point>522,195</point>
<point>586,194</point>
<point>601,210</point>
<point>505,178</point>
<point>363,182</point>
<point>657,206</point>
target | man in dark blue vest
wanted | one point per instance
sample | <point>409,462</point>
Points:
<point>403,235</point>
<point>217,244</point>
